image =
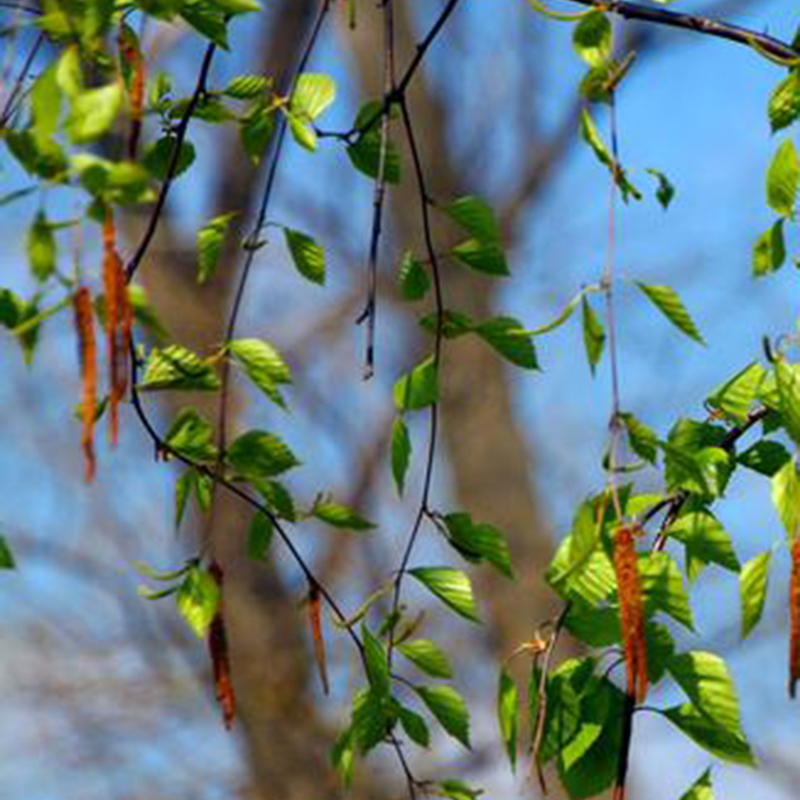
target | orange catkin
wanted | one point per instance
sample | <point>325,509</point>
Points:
<point>794,618</point>
<point>87,349</point>
<point>631,612</point>
<point>315,618</point>
<point>119,321</point>
<point>220,659</point>
<point>132,55</point>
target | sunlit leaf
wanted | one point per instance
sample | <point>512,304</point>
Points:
<point>401,453</point>
<point>175,367</point>
<point>667,301</point>
<point>417,389</point>
<point>307,255</point>
<point>198,599</point>
<point>753,583</point>
<point>451,586</point>
<point>258,454</point>
<point>782,179</point>
<point>508,714</point>
<point>263,364</point>
<point>449,708</point>
<point>427,656</point>
<point>209,245</point>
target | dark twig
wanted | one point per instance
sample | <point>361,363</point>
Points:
<point>691,22</point>
<point>9,108</point>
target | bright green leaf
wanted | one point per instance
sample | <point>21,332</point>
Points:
<point>663,588</point>
<point>476,217</point>
<point>478,541</point>
<point>765,457</point>
<point>209,245</point>
<point>263,364</point>
<point>7,560</point>
<point>784,102</point>
<point>710,735</point>
<point>414,280</point>
<point>340,516</point>
<point>786,497</point>
<point>377,663</point>
<point>665,191</point>
<point>41,248</point>
<point>782,179</point>
<point>449,709</point>
<point>158,157</point>
<point>417,389</point>
<point>415,726</point>
<point>258,454</point>
<point>486,257</point>
<point>312,94</point>
<point>365,154</point>
<point>509,338</point>
<point>451,586</point>
<point>769,251</point>
<point>428,657</point>
<point>666,300</point>
<point>753,582</point>
<point>175,367</point>
<point>700,789</point>
<point>706,542</point>
<point>93,112</point>
<point>191,435</point>
<point>259,536</point>
<point>198,599</point>
<point>508,714</point>
<point>736,396</point>
<point>308,256</point>
<point>594,337</point>
<point>401,453</point>
<point>643,440</point>
<point>591,38</point>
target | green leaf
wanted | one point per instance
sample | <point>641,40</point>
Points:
<point>458,790</point>
<point>237,6</point>
<point>191,435</point>
<point>259,537</point>
<point>255,130</point>
<point>453,324</point>
<point>486,257</point>
<point>786,497</point>
<point>343,756</point>
<point>787,381</point>
<point>417,389</point>
<point>508,337</point>
<point>451,586</point>
<point>373,716</point>
<point>449,709</point>
<point>258,454</point>
<point>209,245</point>
<point>592,137</point>
<point>782,179</point>
<point>198,600</point>
<point>207,19</point>
<point>377,663</point>
<point>707,542</point>
<point>7,560</point>
<point>643,440</point>
<point>753,582</point>
<point>276,496</point>
<point>665,191</point>
<point>476,217</point>
<point>710,735</point>
<point>93,112</point>
<point>401,453</point>
<point>784,102</point>
<point>591,38</point>
<point>663,588</point>
<point>264,365</point>
<point>175,367</point>
<point>414,280</point>
<point>478,541</point>
<point>46,104</point>
<point>769,251</point>
<point>366,152</point>
<point>41,248</point>
<point>705,679</point>
<point>308,256</point>
<point>247,87</point>
<point>340,516</point>
<point>508,714</point>
<point>666,300</point>
<point>201,484</point>
<point>312,94</point>
<point>44,159</point>
<point>158,157</point>
<point>592,580</point>
<point>585,532</point>
<point>594,337</point>
<point>736,396</point>
<point>701,789</point>
<point>415,726</point>
<point>428,657</point>
<point>765,457</point>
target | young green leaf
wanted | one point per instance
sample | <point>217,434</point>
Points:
<point>209,245</point>
<point>415,726</point>
<point>247,87</point>
<point>158,157</point>
<point>707,542</point>
<point>784,102</point>
<point>508,714</point>
<point>343,756</point>
<point>765,457</point>
<point>666,300</point>
<point>6,556</point>
<point>417,389</point>
<point>307,255</point>
<point>769,251</point>
<point>736,396</point>
<point>486,257</point>
<point>665,191</point>
<point>710,734</point>
<point>93,112</point>
<point>198,599</point>
<point>782,179</point>
<point>46,104</point>
<point>264,365</point>
<point>594,337</point>
<point>414,280</point>
<point>191,435</point>
<point>786,497</point>
<point>476,217</point>
<point>458,790</point>
<point>428,657</point>
<point>508,337</point>
<point>643,440</point>
<point>365,154</point>
<point>449,709</point>
<point>592,137</point>
<point>753,583</point>
<point>258,454</point>
<point>701,789</point>
<point>41,248</point>
<point>312,94</point>
<point>256,127</point>
<point>340,516</point>
<point>787,382</point>
<point>259,536</point>
<point>373,715</point>
<point>591,38</point>
<point>401,453</point>
<point>663,588</point>
<point>478,541</point>
<point>451,586</point>
<point>175,367</point>
<point>378,671</point>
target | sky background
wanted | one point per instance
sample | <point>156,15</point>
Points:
<point>695,109</point>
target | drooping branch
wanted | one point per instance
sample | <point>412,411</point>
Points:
<point>699,24</point>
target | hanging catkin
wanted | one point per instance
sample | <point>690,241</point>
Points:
<point>631,611</point>
<point>794,618</point>
<point>87,350</point>
<point>220,659</point>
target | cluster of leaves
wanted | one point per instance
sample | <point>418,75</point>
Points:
<point>579,716</point>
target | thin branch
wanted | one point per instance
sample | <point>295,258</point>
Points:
<point>698,24</point>
<point>9,108</point>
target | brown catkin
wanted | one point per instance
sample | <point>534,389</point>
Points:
<point>315,618</point>
<point>87,350</point>
<point>794,618</point>
<point>131,54</point>
<point>220,658</point>
<point>631,612</point>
